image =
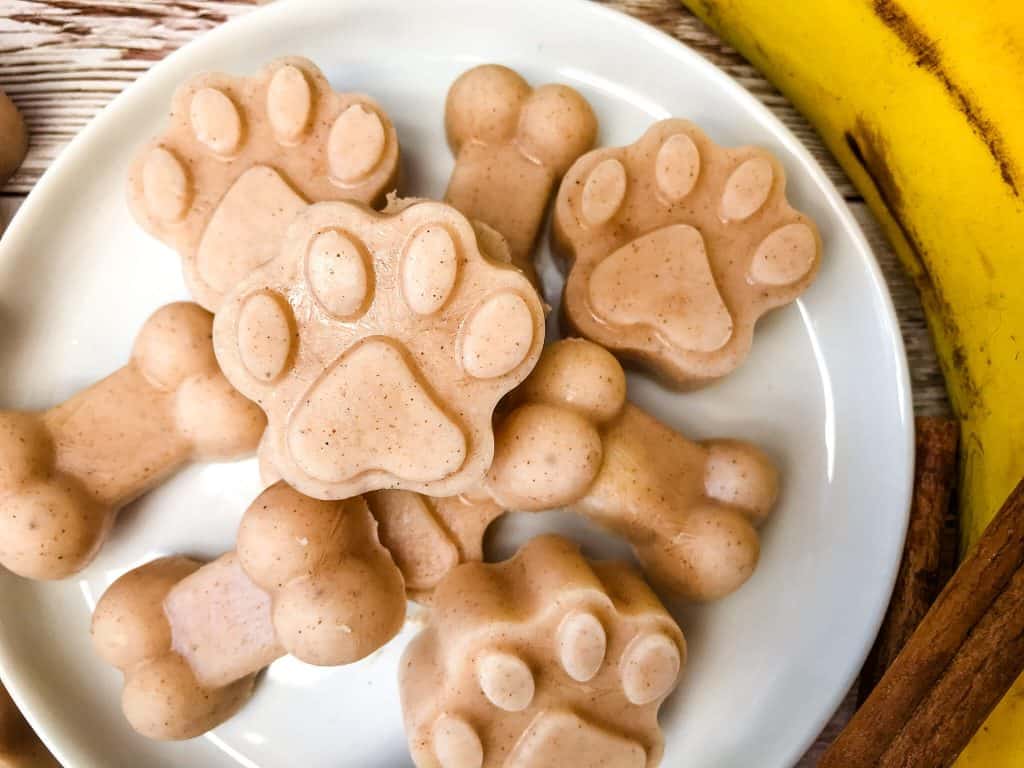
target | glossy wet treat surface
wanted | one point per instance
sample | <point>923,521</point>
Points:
<point>308,578</point>
<point>241,156</point>
<point>65,473</point>
<point>677,246</point>
<point>571,439</point>
<point>512,143</point>
<point>542,660</point>
<point>378,344</point>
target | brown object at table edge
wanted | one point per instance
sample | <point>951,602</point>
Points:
<point>921,575</point>
<point>959,662</point>
<point>19,745</point>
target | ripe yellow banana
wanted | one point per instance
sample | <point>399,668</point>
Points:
<point>922,103</point>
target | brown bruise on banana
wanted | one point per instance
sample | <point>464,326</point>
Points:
<point>927,54</point>
<point>545,659</point>
<point>677,247</point>
<point>241,156</point>
<point>308,577</point>
<point>371,335</point>
<point>869,151</point>
<point>569,438</point>
<point>65,472</point>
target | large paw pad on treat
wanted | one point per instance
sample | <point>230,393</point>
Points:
<point>677,247</point>
<point>243,155</point>
<point>539,661</point>
<point>379,344</point>
<point>512,144</point>
<point>689,509</point>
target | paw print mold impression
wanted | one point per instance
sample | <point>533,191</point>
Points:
<point>378,344</point>
<point>677,247</point>
<point>242,156</point>
<point>543,660</point>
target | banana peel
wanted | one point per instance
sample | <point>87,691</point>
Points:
<point>922,104</point>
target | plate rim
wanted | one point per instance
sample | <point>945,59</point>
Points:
<point>37,198</point>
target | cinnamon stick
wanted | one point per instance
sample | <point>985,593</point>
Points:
<point>975,681</point>
<point>921,575</point>
<point>958,663</point>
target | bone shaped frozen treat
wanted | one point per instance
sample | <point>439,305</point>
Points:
<point>241,156</point>
<point>308,578</point>
<point>512,143</point>
<point>689,509</point>
<point>378,344</point>
<point>64,473</point>
<point>543,660</point>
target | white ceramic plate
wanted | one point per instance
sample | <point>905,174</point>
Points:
<point>825,391</point>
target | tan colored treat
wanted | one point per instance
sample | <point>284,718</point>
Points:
<point>308,578</point>
<point>428,537</point>
<point>677,247</point>
<point>689,509</point>
<point>543,660</point>
<point>243,155</point>
<point>512,143</point>
<point>19,745</point>
<point>66,472</point>
<point>379,344</point>
<point>13,139</point>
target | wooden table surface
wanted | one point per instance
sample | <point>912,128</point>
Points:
<point>61,61</point>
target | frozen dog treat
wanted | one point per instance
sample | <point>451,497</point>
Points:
<point>677,246</point>
<point>65,472</point>
<point>19,746</point>
<point>242,155</point>
<point>689,509</point>
<point>308,578</point>
<point>428,537</point>
<point>13,139</point>
<point>542,660</point>
<point>378,344</point>
<point>512,143</point>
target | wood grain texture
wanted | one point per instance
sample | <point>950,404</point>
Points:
<point>63,60</point>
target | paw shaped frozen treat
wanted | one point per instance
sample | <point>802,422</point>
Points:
<point>308,578</point>
<point>689,509</point>
<point>512,143</point>
<point>542,660</point>
<point>19,745</point>
<point>677,246</point>
<point>242,155</point>
<point>13,139</point>
<point>65,473</point>
<point>378,344</point>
